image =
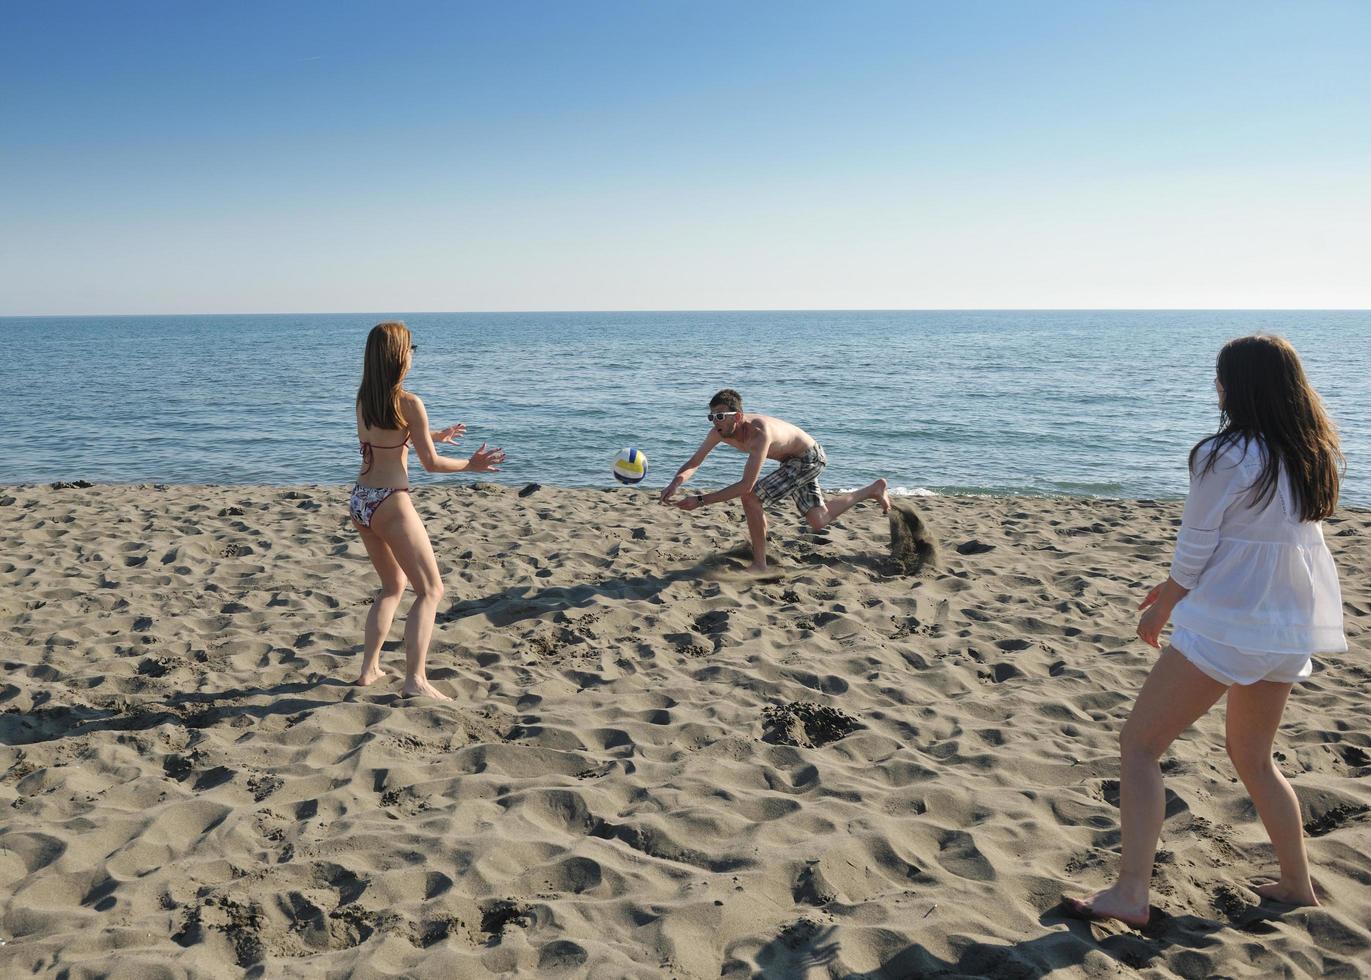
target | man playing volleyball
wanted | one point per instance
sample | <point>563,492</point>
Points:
<point>762,437</point>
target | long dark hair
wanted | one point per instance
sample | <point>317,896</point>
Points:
<point>1266,396</point>
<point>383,370</point>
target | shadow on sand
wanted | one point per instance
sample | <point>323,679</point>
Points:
<point>806,946</point>
<point>521,602</point>
<point>195,709</point>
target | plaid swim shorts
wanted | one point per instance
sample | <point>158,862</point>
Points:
<point>796,478</point>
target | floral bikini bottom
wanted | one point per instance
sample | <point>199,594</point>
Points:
<point>363,502</point>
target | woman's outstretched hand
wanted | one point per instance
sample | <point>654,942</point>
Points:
<point>451,434</point>
<point>486,460</point>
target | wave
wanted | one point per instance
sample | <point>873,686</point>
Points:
<point>897,491</point>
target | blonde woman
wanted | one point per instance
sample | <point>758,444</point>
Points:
<point>1255,595</point>
<point>389,419</point>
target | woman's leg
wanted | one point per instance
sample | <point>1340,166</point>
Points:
<point>397,523</point>
<point>1254,712</point>
<point>383,606</point>
<point>1175,694</point>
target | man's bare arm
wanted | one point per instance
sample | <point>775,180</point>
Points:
<point>753,470</point>
<point>691,465</point>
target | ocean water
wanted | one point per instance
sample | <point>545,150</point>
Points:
<point>1101,403</point>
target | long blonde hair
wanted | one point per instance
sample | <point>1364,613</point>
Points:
<point>383,371</point>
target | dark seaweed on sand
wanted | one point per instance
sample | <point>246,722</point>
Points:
<point>806,723</point>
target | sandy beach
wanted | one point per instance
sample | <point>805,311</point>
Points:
<point>654,766</point>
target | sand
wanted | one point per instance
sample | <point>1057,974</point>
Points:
<point>654,767</point>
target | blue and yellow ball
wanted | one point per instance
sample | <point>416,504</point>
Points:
<point>630,466</point>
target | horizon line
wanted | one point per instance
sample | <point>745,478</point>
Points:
<point>759,309</point>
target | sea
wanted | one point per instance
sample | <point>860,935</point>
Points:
<point>1084,403</point>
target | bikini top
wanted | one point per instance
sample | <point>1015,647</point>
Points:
<point>368,456</point>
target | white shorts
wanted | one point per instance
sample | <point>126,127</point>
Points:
<point>1230,665</point>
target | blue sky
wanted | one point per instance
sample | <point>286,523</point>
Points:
<point>393,157</point>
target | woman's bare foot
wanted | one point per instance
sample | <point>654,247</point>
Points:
<point>882,495</point>
<point>1279,891</point>
<point>369,677</point>
<point>1110,904</point>
<point>422,689</point>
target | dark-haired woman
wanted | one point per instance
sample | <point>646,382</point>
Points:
<point>389,419</point>
<point>1254,594</point>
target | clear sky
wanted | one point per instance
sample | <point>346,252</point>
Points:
<point>655,154</point>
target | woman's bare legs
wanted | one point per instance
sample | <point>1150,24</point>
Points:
<point>397,524</point>
<point>1175,694</point>
<point>383,606</point>
<point>1254,712</point>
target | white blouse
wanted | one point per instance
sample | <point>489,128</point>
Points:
<point>1260,579</point>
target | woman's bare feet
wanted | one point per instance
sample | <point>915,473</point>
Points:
<point>1286,894</point>
<point>422,689</point>
<point>882,495</point>
<point>370,676</point>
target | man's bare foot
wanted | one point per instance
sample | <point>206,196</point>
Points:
<point>882,495</point>
<point>755,569</point>
<point>1279,891</point>
<point>369,677</point>
<point>423,689</point>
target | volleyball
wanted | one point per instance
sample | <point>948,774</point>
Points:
<point>630,466</point>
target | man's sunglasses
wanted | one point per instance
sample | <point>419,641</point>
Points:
<point>720,416</point>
